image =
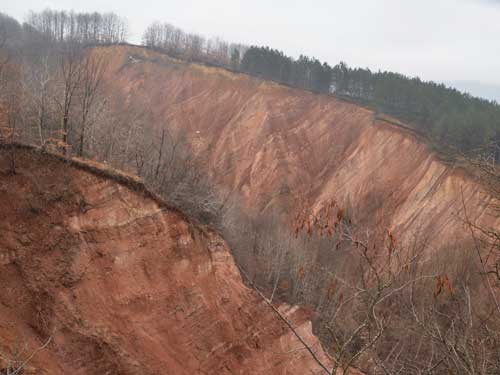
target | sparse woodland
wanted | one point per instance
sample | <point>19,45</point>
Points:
<point>380,305</point>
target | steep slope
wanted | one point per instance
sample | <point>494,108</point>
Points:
<point>125,285</point>
<point>277,145</point>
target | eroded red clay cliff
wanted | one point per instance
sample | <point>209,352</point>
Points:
<point>276,145</point>
<point>125,285</point>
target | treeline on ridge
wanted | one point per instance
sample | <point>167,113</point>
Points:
<point>94,28</point>
<point>445,115</point>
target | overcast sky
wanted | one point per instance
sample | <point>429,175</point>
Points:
<point>440,40</point>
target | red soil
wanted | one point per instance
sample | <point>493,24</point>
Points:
<point>126,286</point>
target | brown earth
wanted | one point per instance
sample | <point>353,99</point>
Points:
<point>125,285</point>
<point>278,145</point>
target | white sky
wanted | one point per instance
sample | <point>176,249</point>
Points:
<point>440,40</point>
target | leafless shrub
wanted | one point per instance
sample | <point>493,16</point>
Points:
<point>382,305</point>
<point>168,167</point>
<point>17,361</point>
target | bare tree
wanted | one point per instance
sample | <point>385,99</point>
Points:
<point>10,102</point>
<point>4,55</point>
<point>38,80</point>
<point>152,35</point>
<point>69,80</point>
<point>92,70</point>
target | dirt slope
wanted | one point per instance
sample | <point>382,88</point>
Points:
<point>125,285</point>
<point>276,144</point>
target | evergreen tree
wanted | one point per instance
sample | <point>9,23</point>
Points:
<point>235,58</point>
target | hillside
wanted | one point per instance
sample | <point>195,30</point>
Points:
<point>276,146</point>
<point>123,284</point>
<point>193,206</point>
<point>325,204</point>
